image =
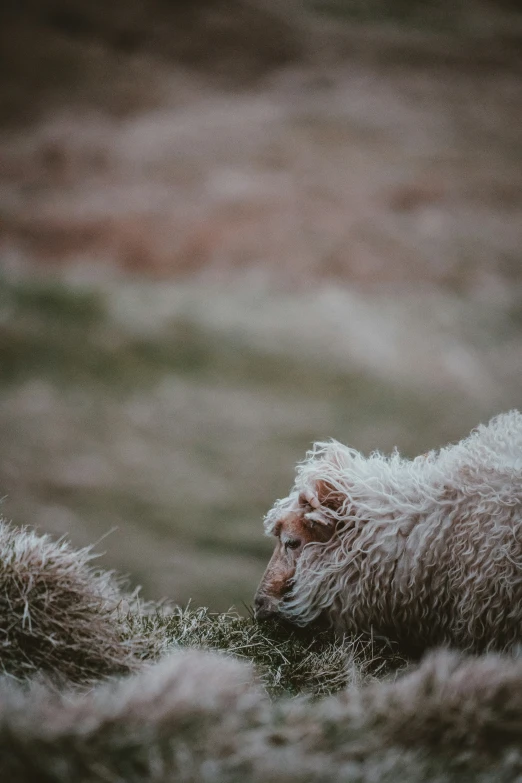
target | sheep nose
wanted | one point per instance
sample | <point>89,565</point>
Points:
<point>263,608</point>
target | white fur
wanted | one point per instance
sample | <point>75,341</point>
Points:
<point>426,551</point>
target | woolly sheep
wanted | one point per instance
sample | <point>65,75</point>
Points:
<point>424,552</point>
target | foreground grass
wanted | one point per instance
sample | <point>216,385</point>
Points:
<point>287,660</point>
<point>157,704</point>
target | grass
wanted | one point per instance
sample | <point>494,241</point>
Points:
<point>288,660</point>
<point>59,615</point>
<point>66,334</point>
<point>194,715</point>
<point>53,302</point>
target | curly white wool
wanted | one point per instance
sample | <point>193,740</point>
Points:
<point>425,551</point>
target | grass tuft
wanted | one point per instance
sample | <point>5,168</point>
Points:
<point>60,616</point>
<point>288,660</point>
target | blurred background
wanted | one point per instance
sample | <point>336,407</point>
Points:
<point>231,227</point>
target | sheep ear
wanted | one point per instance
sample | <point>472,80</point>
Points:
<point>328,496</point>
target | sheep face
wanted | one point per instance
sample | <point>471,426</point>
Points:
<point>297,525</point>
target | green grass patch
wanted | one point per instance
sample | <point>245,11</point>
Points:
<point>53,302</point>
<point>64,334</point>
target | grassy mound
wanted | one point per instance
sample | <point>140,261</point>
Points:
<point>59,615</point>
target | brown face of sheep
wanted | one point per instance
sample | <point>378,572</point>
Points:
<point>293,531</point>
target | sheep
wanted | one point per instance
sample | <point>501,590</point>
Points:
<point>423,552</point>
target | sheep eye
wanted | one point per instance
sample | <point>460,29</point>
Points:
<point>293,543</point>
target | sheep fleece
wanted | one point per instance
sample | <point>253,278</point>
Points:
<point>425,551</point>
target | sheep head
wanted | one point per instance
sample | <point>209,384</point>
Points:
<point>297,522</point>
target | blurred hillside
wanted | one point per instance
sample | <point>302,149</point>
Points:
<point>229,228</point>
